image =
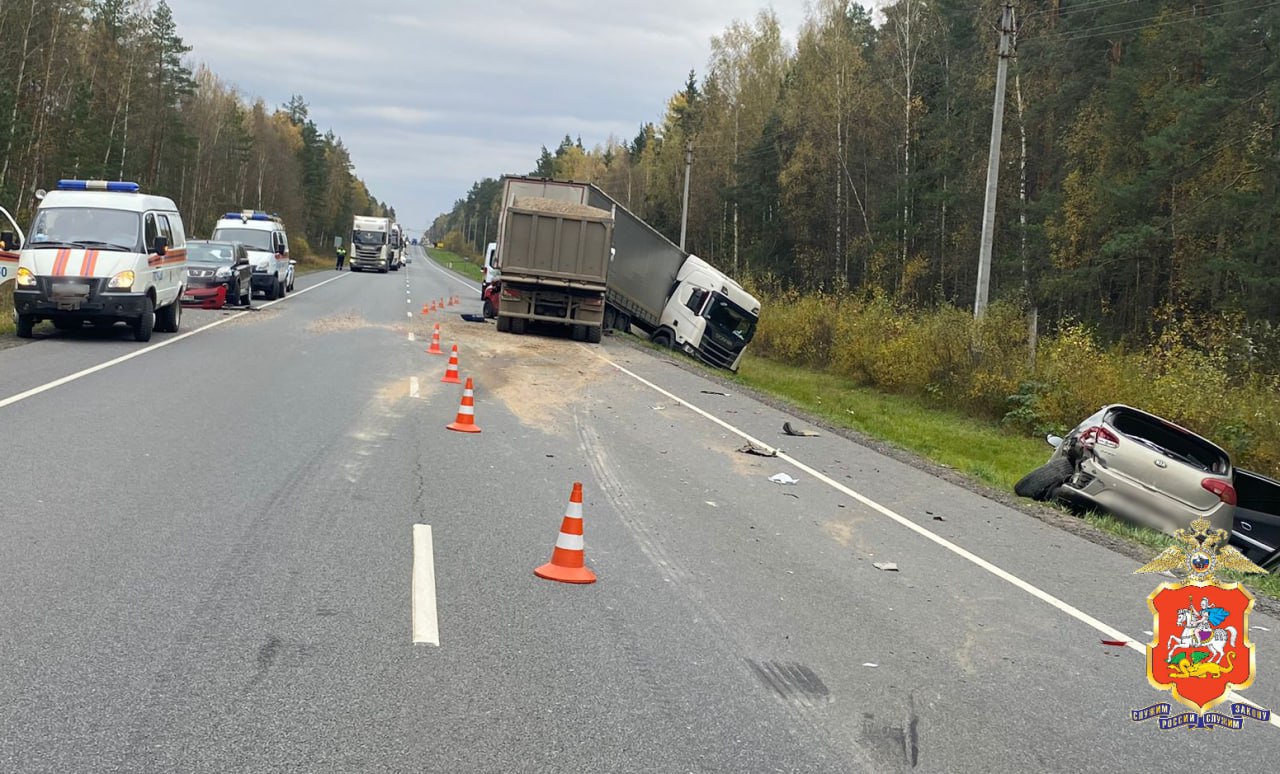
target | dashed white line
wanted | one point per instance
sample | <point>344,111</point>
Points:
<point>413,386</point>
<point>426,625</point>
<point>1065,607</point>
<point>411,336</point>
<point>34,391</point>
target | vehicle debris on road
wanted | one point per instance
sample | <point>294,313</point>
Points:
<point>783,478</point>
<point>787,429</point>
<point>759,451</point>
<point>885,566</point>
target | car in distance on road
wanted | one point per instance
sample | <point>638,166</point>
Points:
<point>218,274</point>
<point>1140,468</point>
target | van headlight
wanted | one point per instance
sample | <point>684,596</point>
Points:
<point>122,281</point>
<point>25,278</point>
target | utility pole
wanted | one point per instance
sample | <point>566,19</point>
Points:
<point>993,163</point>
<point>688,166</point>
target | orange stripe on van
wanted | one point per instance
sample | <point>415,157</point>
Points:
<point>60,262</point>
<point>89,263</point>
<point>8,257</point>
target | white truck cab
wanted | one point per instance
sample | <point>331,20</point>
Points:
<point>709,315</point>
<point>264,237</point>
<point>371,244</point>
<point>101,251</point>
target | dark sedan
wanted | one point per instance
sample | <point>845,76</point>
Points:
<point>218,274</point>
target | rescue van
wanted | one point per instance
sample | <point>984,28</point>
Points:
<point>10,241</point>
<point>264,237</point>
<point>104,253</point>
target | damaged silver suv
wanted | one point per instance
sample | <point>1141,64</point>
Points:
<point>1140,468</point>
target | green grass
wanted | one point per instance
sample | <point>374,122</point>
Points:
<point>6,309</point>
<point>457,263</point>
<point>976,448</point>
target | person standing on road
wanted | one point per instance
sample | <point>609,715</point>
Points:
<point>342,256</point>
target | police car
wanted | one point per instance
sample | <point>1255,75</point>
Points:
<point>268,245</point>
<point>104,253</point>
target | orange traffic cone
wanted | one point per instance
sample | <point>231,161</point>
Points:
<point>424,310</point>
<point>442,304</point>
<point>434,349</point>
<point>466,421</point>
<point>451,373</point>
<point>433,306</point>
<point>568,559</point>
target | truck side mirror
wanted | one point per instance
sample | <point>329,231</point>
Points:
<point>11,240</point>
<point>160,246</point>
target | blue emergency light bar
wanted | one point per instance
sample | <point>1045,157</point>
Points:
<point>248,215</point>
<point>97,185</point>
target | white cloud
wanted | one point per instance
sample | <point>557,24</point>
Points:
<point>429,95</point>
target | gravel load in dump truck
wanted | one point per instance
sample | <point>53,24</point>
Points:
<point>567,209</point>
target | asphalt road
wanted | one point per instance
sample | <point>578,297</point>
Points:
<point>208,552</point>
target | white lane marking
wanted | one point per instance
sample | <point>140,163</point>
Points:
<point>34,391</point>
<point>1044,596</point>
<point>409,315</point>
<point>411,336</point>
<point>451,275</point>
<point>426,626</point>
<point>413,386</point>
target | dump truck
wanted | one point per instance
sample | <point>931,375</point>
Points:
<point>679,300</point>
<point>554,259</point>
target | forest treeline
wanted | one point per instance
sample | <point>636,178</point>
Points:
<point>102,89</point>
<point>1139,173</point>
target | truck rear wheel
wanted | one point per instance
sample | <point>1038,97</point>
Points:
<point>518,325</point>
<point>504,324</point>
<point>594,335</point>
<point>579,333</point>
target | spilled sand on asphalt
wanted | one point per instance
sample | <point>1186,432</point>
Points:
<point>538,378</point>
<point>347,321</point>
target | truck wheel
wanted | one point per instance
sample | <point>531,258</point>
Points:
<point>169,318</point>
<point>579,333</point>
<point>623,322</point>
<point>25,323</point>
<point>144,324</point>
<point>664,339</point>
<point>504,325</point>
<point>594,335</point>
<point>1043,482</point>
<point>518,325</point>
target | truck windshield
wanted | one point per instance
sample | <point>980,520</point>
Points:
<point>731,320</point>
<point>369,237</point>
<point>249,237</point>
<point>86,227</point>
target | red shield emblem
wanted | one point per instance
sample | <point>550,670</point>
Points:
<point>1201,647</point>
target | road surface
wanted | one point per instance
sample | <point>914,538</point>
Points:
<point>215,559</point>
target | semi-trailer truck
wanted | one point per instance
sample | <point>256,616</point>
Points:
<point>677,299</point>
<point>371,245</point>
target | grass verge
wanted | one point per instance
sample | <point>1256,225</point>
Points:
<point>978,449</point>
<point>6,309</point>
<point>456,263</point>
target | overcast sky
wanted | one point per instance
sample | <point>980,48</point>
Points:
<point>430,95</point>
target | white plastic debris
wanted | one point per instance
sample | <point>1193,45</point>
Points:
<point>783,478</point>
<point>869,664</point>
<point>886,566</point>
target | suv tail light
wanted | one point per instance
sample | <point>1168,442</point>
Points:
<point>1099,435</point>
<point>1225,492</point>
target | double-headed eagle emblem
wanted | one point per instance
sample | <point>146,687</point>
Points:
<point>1202,551</point>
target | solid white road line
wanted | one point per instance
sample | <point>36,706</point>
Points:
<point>1044,596</point>
<point>426,626</point>
<point>413,386</point>
<point>12,399</point>
<point>411,336</point>
<point>455,277</point>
